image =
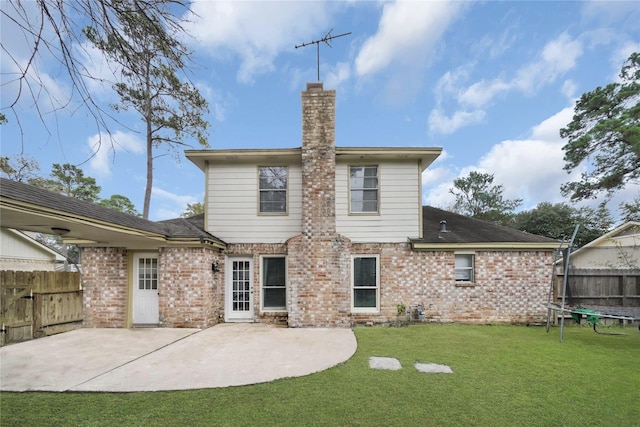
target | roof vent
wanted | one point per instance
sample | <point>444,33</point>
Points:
<point>443,226</point>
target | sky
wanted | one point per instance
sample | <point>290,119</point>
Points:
<point>490,82</point>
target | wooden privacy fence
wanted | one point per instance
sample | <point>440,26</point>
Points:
<point>612,291</point>
<point>38,303</point>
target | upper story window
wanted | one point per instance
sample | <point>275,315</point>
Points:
<point>363,188</point>
<point>464,268</point>
<point>273,189</point>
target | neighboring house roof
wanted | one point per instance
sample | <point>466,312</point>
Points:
<point>628,229</point>
<point>463,232</point>
<point>26,207</point>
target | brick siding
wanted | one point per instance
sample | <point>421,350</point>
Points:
<point>191,293</point>
<point>106,287</point>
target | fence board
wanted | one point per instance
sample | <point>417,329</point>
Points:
<point>37,303</point>
<point>605,289</point>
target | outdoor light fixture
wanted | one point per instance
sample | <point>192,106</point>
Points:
<point>215,266</point>
<point>60,231</point>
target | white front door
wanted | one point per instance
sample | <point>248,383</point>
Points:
<point>239,290</point>
<point>145,289</point>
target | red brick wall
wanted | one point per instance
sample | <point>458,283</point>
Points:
<point>191,293</point>
<point>319,282</point>
<point>509,286</point>
<point>106,288</point>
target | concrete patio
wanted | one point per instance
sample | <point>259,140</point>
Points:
<point>128,360</point>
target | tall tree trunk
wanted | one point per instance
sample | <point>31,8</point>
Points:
<point>148,120</point>
<point>147,191</point>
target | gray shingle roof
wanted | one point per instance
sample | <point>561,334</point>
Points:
<point>462,229</point>
<point>185,227</point>
<point>174,228</point>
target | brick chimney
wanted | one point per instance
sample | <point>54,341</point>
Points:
<point>318,161</point>
<point>319,258</point>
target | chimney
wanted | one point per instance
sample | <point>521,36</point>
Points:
<point>319,258</point>
<point>318,161</point>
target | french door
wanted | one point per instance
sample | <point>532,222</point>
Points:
<point>239,290</point>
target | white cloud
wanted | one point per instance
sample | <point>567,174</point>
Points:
<point>610,12</point>
<point>443,124</point>
<point>481,93</point>
<point>406,31</point>
<point>569,89</point>
<point>104,149</point>
<point>257,32</point>
<point>171,205</point>
<point>337,75</point>
<point>449,85</point>
<point>530,168</point>
<point>556,58</point>
<point>176,198</point>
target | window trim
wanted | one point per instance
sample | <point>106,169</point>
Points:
<point>375,309</point>
<point>472,268</point>
<point>351,211</point>
<point>262,285</point>
<point>260,190</point>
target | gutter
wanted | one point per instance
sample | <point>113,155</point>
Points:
<point>494,246</point>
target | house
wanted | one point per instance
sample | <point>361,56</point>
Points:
<point>319,235</point>
<point>21,252</point>
<point>617,249</point>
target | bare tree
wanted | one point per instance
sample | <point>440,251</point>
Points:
<point>139,39</point>
<point>53,30</point>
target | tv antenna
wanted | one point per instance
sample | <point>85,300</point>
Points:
<point>325,39</point>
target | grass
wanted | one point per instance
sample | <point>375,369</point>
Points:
<point>503,376</point>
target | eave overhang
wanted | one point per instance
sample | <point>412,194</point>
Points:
<point>484,246</point>
<point>425,156</point>
<point>203,157</point>
<point>65,218</point>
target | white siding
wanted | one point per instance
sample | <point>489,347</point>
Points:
<point>399,205</point>
<point>19,252</point>
<point>232,206</point>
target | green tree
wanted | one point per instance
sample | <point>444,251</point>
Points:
<point>150,58</point>
<point>477,197</point>
<point>630,211</point>
<point>69,180</point>
<point>193,209</point>
<point>604,135</point>
<point>558,221</point>
<point>120,203</point>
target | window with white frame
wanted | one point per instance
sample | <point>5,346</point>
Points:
<point>148,273</point>
<point>365,279</point>
<point>363,188</point>
<point>464,267</point>
<point>274,292</point>
<point>273,189</point>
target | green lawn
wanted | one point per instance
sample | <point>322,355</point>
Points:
<point>502,376</point>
